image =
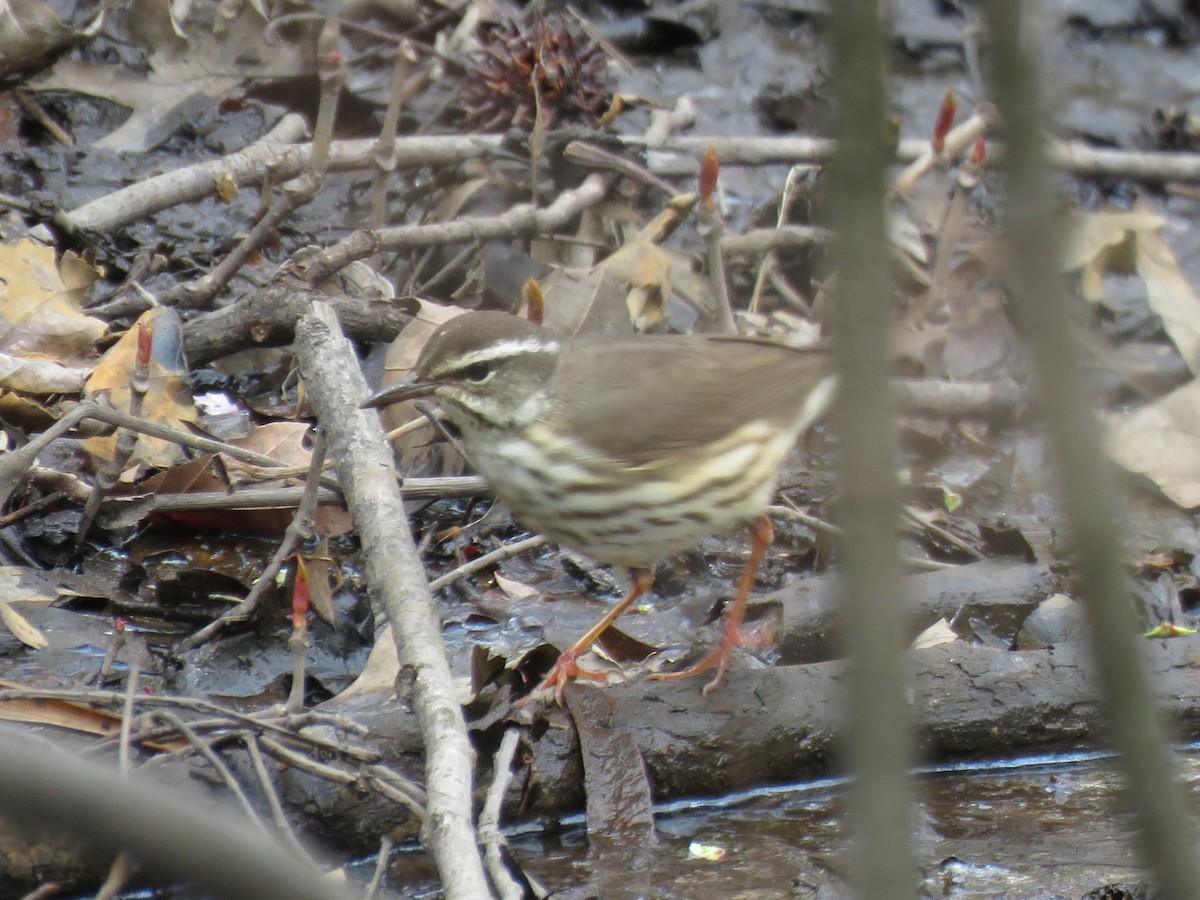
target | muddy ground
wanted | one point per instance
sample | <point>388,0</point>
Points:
<point>161,179</point>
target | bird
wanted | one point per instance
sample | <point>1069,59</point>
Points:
<point>627,449</point>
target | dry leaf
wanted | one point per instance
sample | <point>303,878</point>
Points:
<point>377,680</point>
<point>40,376</point>
<point>168,399</point>
<point>1170,295</point>
<point>646,268</point>
<point>1162,442</point>
<point>322,571</point>
<point>183,74</point>
<point>40,313</point>
<point>74,716</point>
<point>589,303</point>
<point>21,628</point>
<point>515,590</point>
<point>18,584</point>
<point>1126,242</point>
<point>936,634</point>
<point>220,473</point>
<point>653,272</point>
<point>414,445</point>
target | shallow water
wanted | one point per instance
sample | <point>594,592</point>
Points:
<point>1038,827</point>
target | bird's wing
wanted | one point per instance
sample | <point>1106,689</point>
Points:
<point>661,396</point>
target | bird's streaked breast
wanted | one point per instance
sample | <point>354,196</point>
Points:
<point>632,515</point>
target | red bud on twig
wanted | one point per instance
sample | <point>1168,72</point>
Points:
<point>300,595</point>
<point>944,122</point>
<point>710,170</point>
<point>145,342</point>
<point>535,301</point>
<point>979,154</point>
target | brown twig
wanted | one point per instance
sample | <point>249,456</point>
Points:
<point>790,511</point>
<point>494,557</point>
<point>399,788</point>
<point>783,237</point>
<point>956,142</point>
<point>118,875</point>
<point>15,463</point>
<point>226,717</point>
<point>523,219</point>
<point>933,528</point>
<point>298,639</point>
<point>106,478</point>
<point>710,226</point>
<point>489,817</point>
<point>336,775</point>
<point>397,579</point>
<point>673,156</point>
<point>30,508</point>
<point>122,866</point>
<point>382,858</point>
<point>100,676</point>
<point>267,786</point>
<point>770,260</point>
<point>930,302</point>
<point>297,531</point>
<point>28,101</point>
<point>878,740</point>
<point>384,156</point>
<point>44,892</point>
<point>1043,315</point>
<point>195,744</point>
<point>587,154</point>
<point>286,497</point>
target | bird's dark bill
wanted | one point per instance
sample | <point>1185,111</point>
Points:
<point>396,393</point>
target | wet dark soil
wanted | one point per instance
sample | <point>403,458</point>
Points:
<point>1121,74</point>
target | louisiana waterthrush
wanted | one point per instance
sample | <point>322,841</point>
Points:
<point>627,449</point>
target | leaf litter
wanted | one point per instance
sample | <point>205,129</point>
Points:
<point>615,274</point>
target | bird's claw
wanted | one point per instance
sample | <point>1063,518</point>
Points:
<point>732,637</point>
<point>566,668</point>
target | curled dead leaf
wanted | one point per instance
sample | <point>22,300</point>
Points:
<point>21,628</point>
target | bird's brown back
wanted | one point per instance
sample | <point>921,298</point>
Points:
<point>716,384</point>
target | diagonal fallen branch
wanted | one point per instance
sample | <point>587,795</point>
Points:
<point>364,465</point>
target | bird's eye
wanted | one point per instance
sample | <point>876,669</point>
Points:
<point>477,371</point>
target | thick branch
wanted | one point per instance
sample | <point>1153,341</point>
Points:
<point>364,465</point>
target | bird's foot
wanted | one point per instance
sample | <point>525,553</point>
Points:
<point>732,637</point>
<point>566,668</point>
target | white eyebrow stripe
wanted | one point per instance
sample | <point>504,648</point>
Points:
<point>507,350</point>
